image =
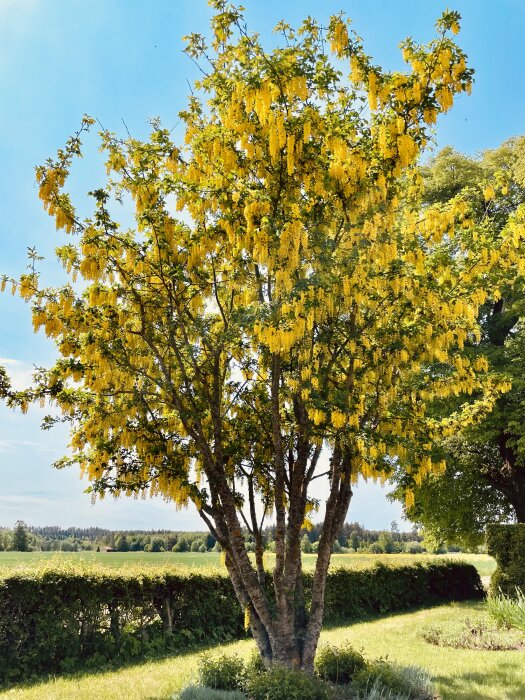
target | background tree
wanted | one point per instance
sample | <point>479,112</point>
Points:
<point>457,506</point>
<point>485,477</point>
<point>209,355</point>
<point>122,544</point>
<point>20,540</point>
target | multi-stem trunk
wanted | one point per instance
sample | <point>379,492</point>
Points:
<point>284,627</point>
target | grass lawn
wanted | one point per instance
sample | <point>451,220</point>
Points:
<point>458,673</point>
<point>485,564</point>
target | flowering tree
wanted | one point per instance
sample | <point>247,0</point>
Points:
<point>281,293</point>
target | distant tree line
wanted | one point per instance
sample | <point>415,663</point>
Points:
<point>353,537</point>
<point>52,538</point>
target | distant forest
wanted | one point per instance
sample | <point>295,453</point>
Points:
<point>353,537</point>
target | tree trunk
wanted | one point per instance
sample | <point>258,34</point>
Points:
<point>510,479</point>
<point>286,632</point>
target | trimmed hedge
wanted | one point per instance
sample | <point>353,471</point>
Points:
<point>506,543</point>
<point>59,618</point>
<point>350,594</point>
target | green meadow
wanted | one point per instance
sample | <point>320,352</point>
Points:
<point>484,564</point>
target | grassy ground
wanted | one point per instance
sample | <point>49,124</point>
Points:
<point>458,673</point>
<point>482,562</point>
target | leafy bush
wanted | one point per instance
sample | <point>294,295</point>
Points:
<point>338,664</point>
<point>506,543</point>
<point>280,683</point>
<point>255,665</point>
<point>507,611</point>
<point>413,547</point>
<point>198,692</point>
<point>223,672</point>
<point>381,679</point>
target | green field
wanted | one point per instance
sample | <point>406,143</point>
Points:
<point>484,564</point>
<point>459,674</point>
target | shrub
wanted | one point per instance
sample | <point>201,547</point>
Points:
<point>338,664</point>
<point>386,680</point>
<point>507,611</point>
<point>280,683</point>
<point>255,665</point>
<point>180,546</point>
<point>223,672</point>
<point>413,547</point>
<point>198,692</point>
<point>506,543</point>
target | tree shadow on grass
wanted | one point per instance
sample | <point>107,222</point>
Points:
<point>460,685</point>
<point>471,605</point>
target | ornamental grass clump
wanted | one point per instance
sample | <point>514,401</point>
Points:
<point>508,611</point>
<point>381,679</point>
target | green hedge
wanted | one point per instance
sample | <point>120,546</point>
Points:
<point>350,594</point>
<point>506,543</point>
<point>61,618</point>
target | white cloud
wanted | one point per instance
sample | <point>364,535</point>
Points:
<point>27,499</point>
<point>20,373</point>
<point>12,445</point>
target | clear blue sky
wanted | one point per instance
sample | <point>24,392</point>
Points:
<point>121,60</point>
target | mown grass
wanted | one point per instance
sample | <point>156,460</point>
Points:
<point>458,673</point>
<point>484,564</point>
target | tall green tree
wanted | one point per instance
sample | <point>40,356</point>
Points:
<point>279,293</point>
<point>20,542</point>
<point>485,477</point>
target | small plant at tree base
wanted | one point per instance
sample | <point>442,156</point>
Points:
<point>281,683</point>
<point>338,664</point>
<point>508,611</point>
<point>224,672</point>
<point>255,665</point>
<point>381,679</point>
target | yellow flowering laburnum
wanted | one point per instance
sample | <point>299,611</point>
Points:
<point>282,291</point>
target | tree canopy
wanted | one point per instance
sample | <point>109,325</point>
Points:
<point>485,477</point>
<point>282,290</point>
<point>20,541</point>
